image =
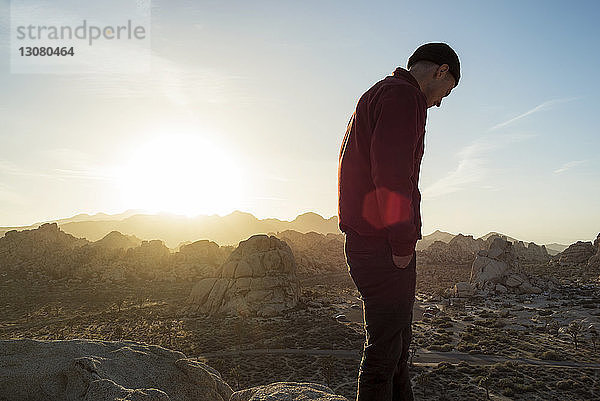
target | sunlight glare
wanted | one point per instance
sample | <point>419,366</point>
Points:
<point>181,174</point>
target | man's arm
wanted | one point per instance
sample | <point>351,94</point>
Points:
<point>392,155</point>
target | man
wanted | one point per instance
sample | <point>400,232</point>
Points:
<point>379,210</point>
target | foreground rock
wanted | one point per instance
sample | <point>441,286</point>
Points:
<point>104,370</point>
<point>258,279</point>
<point>287,391</point>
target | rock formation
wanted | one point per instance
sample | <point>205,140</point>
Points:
<point>258,279</point>
<point>594,261</point>
<point>104,370</point>
<point>532,253</point>
<point>576,254</point>
<point>47,254</point>
<point>39,254</point>
<point>460,250</point>
<point>496,269</point>
<point>198,259</point>
<point>316,253</point>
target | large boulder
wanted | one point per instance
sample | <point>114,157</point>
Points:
<point>258,279</point>
<point>104,370</point>
<point>463,290</point>
<point>287,391</point>
<point>494,264</point>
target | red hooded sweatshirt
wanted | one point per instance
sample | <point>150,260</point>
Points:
<point>379,163</point>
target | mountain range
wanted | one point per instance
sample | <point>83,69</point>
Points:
<point>174,230</point>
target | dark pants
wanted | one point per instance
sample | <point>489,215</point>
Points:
<point>388,295</point>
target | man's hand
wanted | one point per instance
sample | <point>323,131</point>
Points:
<point>401,262</point>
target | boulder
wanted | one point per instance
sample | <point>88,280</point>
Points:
<point>485,270</point>
<point>258,279</point>
<point>493,265</point>
<point>513,281</point>
<point>287,391</point>
<point>501,289</point>
<point>463,290</point>
<point>104,370</point>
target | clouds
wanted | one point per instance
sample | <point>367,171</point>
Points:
<point>61,164</point>
<point>472,165</point>
<point>473,158</point>
<point>468,171</point>
<point>540,107</point>
<point>568,166</point>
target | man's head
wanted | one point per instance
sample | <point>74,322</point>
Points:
<point>436,68</point>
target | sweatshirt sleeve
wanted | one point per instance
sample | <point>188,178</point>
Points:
<point>393,145</point>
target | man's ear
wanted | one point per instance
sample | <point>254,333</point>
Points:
<point>442,71</point>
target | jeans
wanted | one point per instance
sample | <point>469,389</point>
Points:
<point>388,295</point>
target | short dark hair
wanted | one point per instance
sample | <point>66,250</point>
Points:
<point>438,53</point>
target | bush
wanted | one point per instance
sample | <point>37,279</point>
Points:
<point>565,384</point>
<point>551,356</point>
<point>441,348</point>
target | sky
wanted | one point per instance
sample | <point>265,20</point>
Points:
<point>246,103</point>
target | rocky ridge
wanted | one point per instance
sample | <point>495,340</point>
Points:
<point>49,255</point>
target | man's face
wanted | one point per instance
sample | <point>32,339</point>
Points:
<point>440,86</point>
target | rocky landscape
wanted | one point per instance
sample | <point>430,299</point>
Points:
<point>278,317</point>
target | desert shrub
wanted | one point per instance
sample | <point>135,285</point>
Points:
<point>442,366</point>
<point>442,348</point>
<point>466,347</point>
<point>504,313</point>
<point>551,356</point>
<point>508,391</point>
<point>565,384</point>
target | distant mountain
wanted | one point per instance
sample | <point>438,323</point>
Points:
<point>554,248</point>
<point>488,235</point>
<point>77,218</point>
<point>175,229</point>
<point>116,240</point>
<point>437,235</point>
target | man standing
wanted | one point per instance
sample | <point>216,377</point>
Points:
<point>379,210</point>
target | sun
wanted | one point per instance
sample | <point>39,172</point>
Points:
<point>181,174</point>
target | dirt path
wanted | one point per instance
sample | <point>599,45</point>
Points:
<point>421,358</point>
